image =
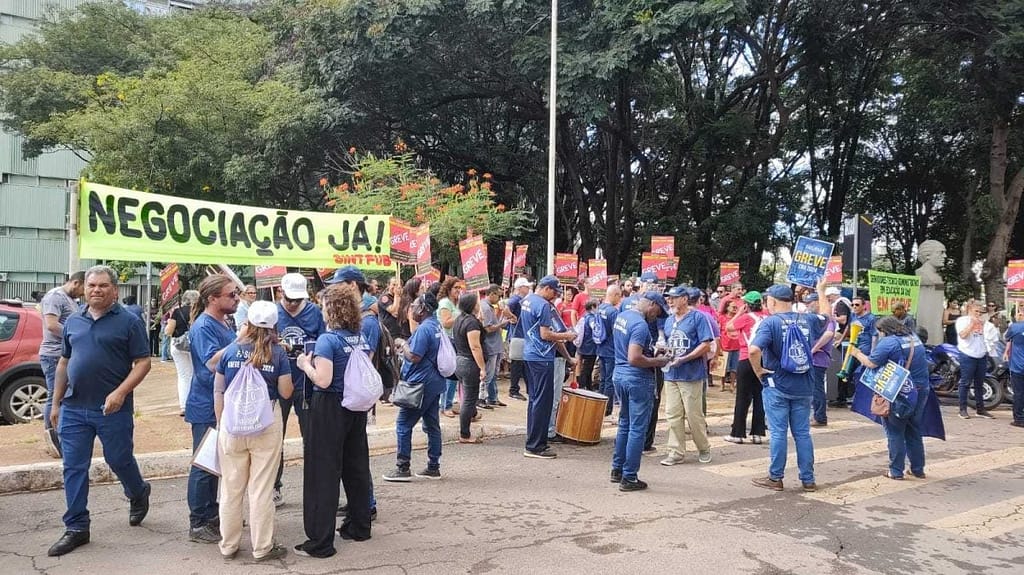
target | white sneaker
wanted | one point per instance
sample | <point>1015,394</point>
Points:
<point>704,457</point>
<point>732,439</point>
<point>672,460</point>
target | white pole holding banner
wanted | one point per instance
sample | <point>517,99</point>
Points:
<point>73,261</point>
<point>552,114</point>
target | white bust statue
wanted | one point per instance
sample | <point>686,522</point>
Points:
<point>932,255</point>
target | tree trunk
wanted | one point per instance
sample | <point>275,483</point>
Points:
<point>1007,202</point>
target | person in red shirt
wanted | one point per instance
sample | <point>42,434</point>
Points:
<point>748,386</point>
<point>735,294</point>
<point>579,302</point>
<point>730,346</point>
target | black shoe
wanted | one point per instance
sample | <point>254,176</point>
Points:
<point>139,507</point>
<point>1017,423</point>
<point>616,476</point>
<point>483,405</point>
<point>70,541</point>
<point>205,534</point>
<point>546,454</point>
<point>556,439</point>
<point>837,403</point>
<point>497,403</point>
<point>964,414</point>
<point>276,552</point>
<point>984,414</point>
<point>399,474</point>
<point>518,396</point>
<point>429,473</point>
<point>345,534</point>
<point>634,485</point>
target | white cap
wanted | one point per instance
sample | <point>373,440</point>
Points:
<point>832,291</point>
<point>522,282</point>
<point>294,286</point>
<point>262,314</point>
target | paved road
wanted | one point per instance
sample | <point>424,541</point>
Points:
<point>497,512</point>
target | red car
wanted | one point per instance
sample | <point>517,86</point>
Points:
<point>22,386</point>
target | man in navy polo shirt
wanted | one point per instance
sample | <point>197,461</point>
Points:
<point>634,383</point>
<point>542,332</point>
<point>787,395</point>
<point>517,369</point>
<point>688,337</point>
<point>104,357</point>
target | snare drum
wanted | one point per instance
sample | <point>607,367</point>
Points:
<point>580,415</point>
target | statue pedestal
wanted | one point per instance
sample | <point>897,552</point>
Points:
<point>929,311</point>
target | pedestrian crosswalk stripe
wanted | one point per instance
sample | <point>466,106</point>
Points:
<point>878,486</point>
<point>758,466</point>
<point>985,522</point>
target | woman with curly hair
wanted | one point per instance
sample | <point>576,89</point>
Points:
<point>447,310</point>
<point>336,448</point>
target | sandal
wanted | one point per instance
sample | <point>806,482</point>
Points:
<point>448,413</point>
<point>889,475</point>
<point>470,440</point>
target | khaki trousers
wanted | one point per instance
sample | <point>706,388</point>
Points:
<point>683,401</point>
<point>249,464</point>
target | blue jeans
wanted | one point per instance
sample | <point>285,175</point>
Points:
<point>78,428</point>
<point>408,418</point>
<point>785,412</point>
<point>49,365</point>
<point>904,438</point>
<point>449,393</point>
<point>492,362</point>
<point>165,346</point>
<point>819,401</point>
<point>540,380</point>
<point>972,370</point>
<point>636,397</point>
<point>607,381</point>
<point>202,486</point>
<point>1017,381</point>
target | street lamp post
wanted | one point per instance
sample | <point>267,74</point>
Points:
<point>552,110</point>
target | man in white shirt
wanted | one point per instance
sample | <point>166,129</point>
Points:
<point>973,343</point>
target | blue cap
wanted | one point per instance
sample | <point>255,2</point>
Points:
<point>678,291</point>
<point>658,299</point>
<point>811,297</point>
<point>779,292</point>
<point>550,282</point>
<point>694,293</point>
<point>347,274</point>
<point>649,277</point>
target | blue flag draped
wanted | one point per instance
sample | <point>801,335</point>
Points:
<point>931,419</point>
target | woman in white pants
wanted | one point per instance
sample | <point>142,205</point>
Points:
<point>177,327</point>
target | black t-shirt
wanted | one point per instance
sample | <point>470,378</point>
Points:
<point>181,317</point>
<point>464,324</point>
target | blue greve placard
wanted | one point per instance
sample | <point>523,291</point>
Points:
<point>810,259</point>
<point>887,381</point>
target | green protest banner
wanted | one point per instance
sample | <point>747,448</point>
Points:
<point>138,226</point>
<point>885,289</point>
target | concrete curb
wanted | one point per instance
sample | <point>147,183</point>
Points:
<point>167,464</point>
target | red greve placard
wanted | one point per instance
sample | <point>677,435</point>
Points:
<point>474,263</point>
<point>1015,278</point>
<point>597,281</point>
<point>519,264</point>
<point>169,284</point>
<point>648,263</point>
<point>422,239</point>
<point>506,267</point>
<point>671,269</point>
<point>567,268</point>
<point>663,245</point>
<point>834,271</point>
<point>403,242</point>
<point>729,272</point>
<point>269,276</point>
<point>584,270</point>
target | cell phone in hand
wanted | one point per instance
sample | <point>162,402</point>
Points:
<point>308,347</point>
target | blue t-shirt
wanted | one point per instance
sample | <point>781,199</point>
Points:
<point>100,354</point>
<point>536,313</point>
<point>587,346</point>
<point>305,327</point>
<point>371,330</point>
<point>608,313</point>
<point>1015,337</point>
<point>683,335</point>
<point>628,303</point>
<point>868,321</point>
<point>631,328</point>
<point>336,346</point>
<point>897,349</point>
<point>424,343</point>
<point>515,306</point>
<point>769,338</point>
<point>238,353</point>
<point>208,336</point>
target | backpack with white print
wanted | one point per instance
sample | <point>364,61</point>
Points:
<point>247,407</point>
<point>796,350</point>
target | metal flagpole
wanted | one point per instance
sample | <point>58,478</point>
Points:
<point>552,111</point>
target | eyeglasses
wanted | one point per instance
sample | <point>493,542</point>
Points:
<point>293,301</point>
<point>250,293</point>
<point>232,295</point>
<point>991,305</point>
<point>855,304</point>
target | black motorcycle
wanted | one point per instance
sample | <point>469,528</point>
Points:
<point>944,375</point>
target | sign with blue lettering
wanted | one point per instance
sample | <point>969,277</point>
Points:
<point>810,260</point>
<point>888,380</point>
